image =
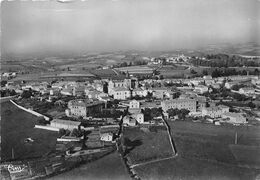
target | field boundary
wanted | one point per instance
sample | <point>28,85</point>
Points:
<point>30,111</point>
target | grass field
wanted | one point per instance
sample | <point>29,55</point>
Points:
<point>154,145</point>
<point>189,169</point>
<point>206,141</point>
<point>204,152</point>
<point>110,167</point>
<point>16,126</point>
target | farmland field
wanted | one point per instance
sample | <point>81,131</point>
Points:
<point>16,126</point>
<point>153,145</point>
<point>110,167</point>
<point>205,151</point>
<point>206,141</point>
<point>192,169</point>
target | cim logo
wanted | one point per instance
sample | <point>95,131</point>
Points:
<point>15,168</point>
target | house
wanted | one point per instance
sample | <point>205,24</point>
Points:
<point>139,92</point>
<point>84,107</point>
<point>139,117</point>
<point>201,89</point>
<point>247,91</point>
<point>78,91</point>
<point>67,91</point>
<point>121,93</point>
<point>129,121</point>
<point>189,104</point>
<point>134,104</point>
<point>234,118</point>
<point>54,91</point>
<point>160,92</point>
<point>65,124</point>
<point>108,137</point>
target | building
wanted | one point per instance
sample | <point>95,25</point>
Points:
<point>139,117</point>
<point>201,89</point>
<point>134,104</point>
<point>78,91</point>
<point>247,91</point>
<point>129,121</point>
<point>214,112</point>
<point>108,137</point>
<point>121,93</point>
<point>65,124</point>
<point>139,92</point>
<point>160,92</point>
<point>84,108</point>
<point>234,118</point>
<point>67,91</point>
<point>189,104</point>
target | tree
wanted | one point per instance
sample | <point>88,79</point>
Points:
<point>251,105</point>
<point>183,113</point>
<point>62,132</point>
<point>26,94</point>
<point>41,120</point>
<point>192,71</point>
<point>75,132</point>
<point>3,83</point>
<point>173,112</point>
<point>205,72</point>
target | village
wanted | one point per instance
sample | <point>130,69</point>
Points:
<point>90,116</point>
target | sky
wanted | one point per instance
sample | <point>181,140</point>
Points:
<point>50,27</point>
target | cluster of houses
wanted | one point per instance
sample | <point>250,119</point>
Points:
<point>95,95</point>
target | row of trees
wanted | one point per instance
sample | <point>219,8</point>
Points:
<point>181,113</point>
<point>131,63</point>
<point>224,60</point>
<point>151,113</point>
<point>7,92</point>
<point>229,72</point>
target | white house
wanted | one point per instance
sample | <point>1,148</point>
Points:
<point>108,137</point>
<point>139,117</point>
<point>134,104</point>
<point>201,89</point>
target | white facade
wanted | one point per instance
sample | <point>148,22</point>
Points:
<point>214,112</point>
<point>108,137</point>
<point>121,93</point>
<point>201,89</point>
<point>134,104</point>
<point>189,104</point>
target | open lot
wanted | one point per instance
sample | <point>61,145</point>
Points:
<point>16,126</point>
<point>151,146</point>
<point>110,167</point>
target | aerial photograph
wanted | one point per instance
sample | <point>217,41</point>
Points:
<point>130,90</point>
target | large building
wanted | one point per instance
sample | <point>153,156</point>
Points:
<point>189,104</point>
<point>121,93</point>
<point>65,124</point>
<point>214,112</point>
<point>126,83</point>
<point>84,108</point>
